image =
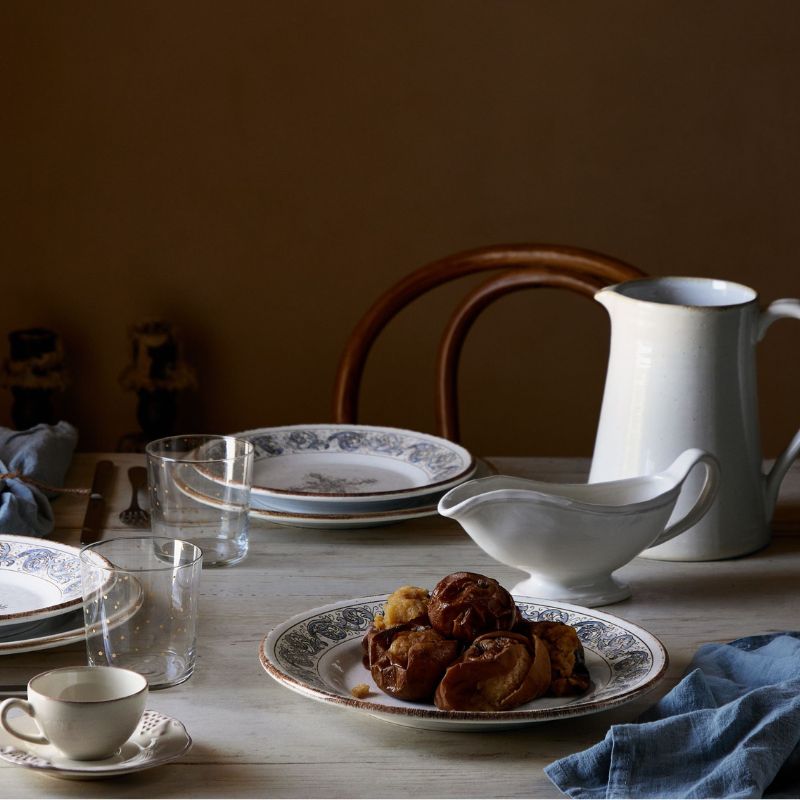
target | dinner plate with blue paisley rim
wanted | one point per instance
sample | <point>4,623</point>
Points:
<point>198,487</point>
<point>38,579</point>
<point>318,654</point>
<point>65,629</point>
<point>352,468</point>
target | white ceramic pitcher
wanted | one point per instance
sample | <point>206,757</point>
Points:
<point>682,373</point>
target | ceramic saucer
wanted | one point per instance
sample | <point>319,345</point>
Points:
<point>157,740</point>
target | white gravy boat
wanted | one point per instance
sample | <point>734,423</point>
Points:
<point>570,537</point>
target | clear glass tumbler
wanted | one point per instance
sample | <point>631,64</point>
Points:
<point>140,606</point>
<point>200,492</point>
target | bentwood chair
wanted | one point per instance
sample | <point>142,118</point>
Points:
<point>518,266</point>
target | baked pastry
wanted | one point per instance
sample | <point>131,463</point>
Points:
<point>407,661</point>
<point>406,604</point>
<point>413,649</point>
<point>465,605</point>
<point>569,673</point>
<point>497,672</point>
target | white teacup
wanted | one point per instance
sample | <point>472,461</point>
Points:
<point>87,713</point>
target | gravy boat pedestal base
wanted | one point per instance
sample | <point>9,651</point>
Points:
<point>603,591</point>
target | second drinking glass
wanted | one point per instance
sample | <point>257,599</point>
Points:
<point>200,492</point>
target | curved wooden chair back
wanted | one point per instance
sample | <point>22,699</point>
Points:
<point>522,266</point>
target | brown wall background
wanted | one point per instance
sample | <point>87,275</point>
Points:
<point>258,172</point>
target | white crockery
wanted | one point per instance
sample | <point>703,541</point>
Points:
<point>87,713</point>
<point>345,469</point>
<point>38,579</point>
<point>571,537</point>
<point>64,629</point>
<point>318,655</point>
<point>157,740</point>
<point>682,373</point>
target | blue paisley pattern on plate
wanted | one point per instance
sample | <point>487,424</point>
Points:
<point>628,657</point>
<point>55,566</point>
<point>437,459</point>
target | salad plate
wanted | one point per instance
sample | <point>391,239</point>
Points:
<point>192,485</point>
<point>157,740</point>
<point>352,468</point>
<point>65,629</point>
<point>369,519</point>
<point>38,579</point>
<point>195,485</point>
<point>318,655</point>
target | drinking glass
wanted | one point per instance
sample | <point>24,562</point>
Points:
<point>140,606</point>
<point>200,492</point>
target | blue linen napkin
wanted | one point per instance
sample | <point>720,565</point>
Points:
<point>42,453</point>
<point>730,728</point>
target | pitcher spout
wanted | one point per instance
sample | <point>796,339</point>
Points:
<point>607,296</point>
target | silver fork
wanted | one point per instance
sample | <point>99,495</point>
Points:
<point>133,515</point>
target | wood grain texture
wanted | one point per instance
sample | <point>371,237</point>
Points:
<point>254,738</point>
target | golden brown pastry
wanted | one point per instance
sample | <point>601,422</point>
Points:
<point>465,605</point>
<point>408,661</point>
<point>569,673</point>
<point>406,604</point>
<point>499,671</point>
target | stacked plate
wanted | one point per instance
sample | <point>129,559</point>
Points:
<point>347,476</point>
<point>41,605</point>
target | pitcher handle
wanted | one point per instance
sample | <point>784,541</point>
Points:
<point>684,464</point>
<point>779,309</point>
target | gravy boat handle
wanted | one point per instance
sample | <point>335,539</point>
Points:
<point>679,471</point>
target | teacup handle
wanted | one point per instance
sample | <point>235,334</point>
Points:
<point>779,309</point>
<point>681,468</point>
<point>22,705</point>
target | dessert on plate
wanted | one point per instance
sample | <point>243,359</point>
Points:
<point>467,647</point>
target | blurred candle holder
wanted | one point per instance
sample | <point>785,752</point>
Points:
<point>34,372</point>
<point>157,373</point>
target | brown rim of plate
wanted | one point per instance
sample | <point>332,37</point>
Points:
<point>461,476</point>
<point>46,611</point>
<point>71,636</point>
<point>532,715</point>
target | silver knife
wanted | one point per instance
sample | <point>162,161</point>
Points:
<point>92,528</point>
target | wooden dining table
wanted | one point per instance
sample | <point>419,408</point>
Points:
<point>252,737</point>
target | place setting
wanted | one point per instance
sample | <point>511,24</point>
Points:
<point>90,722</point>
<point>41,598</point>
<point>132,603</point>
<point>344,476</point>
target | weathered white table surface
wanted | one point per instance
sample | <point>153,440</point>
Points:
<point>254,738</point>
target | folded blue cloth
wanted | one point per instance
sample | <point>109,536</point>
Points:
<point>730,728</point>
<point>43,454</point>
